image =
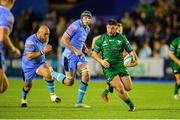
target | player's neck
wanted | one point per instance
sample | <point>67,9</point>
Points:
<point>38,38</point>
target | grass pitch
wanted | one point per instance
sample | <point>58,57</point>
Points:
<point>152,101</point>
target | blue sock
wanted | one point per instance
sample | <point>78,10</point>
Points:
<point>81,92</point>
<point>50,85</point>
<point>58,76</point>
<point>24,93</point>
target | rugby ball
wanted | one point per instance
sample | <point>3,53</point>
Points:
<point>128,59</point>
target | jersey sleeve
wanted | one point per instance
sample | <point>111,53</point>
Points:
<point>71,30</point>
<point>3,22</point>
<point>127,45</point>
<point>98,44</point>
<point>29,46</point>
<point>172,46</point>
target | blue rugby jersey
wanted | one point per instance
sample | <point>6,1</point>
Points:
<point>78,34</point>
<point>6,21</point>
<point>32,44</point>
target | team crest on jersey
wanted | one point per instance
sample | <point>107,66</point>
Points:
<point>10,21</point>
<point>71,30</point>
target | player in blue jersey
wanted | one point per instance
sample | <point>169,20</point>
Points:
<point>73,58</point>
<point>6,25</point>
<point>33,63</point>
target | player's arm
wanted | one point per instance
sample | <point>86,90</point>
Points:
<point>34,55</point>
<point>87,50</point>
<point>94,41</point>
<point>96,56</point>
<point>71,31</point>
<point>5,39</point>
<point>173,57</point>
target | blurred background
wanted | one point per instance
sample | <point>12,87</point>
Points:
<point>150,26</point>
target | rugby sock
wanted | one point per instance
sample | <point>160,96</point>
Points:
<point>58,76</point>
<point>81,91</point>
<point>106,92</point>
<point>129,103</point>
<point>24,93</point>
<point>50,85</point>
<point>176,89</point>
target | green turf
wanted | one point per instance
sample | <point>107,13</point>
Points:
<point>151,100</point>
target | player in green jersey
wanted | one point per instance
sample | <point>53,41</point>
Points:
<point>174,54</point>
<point>109,88</point>
<point>111,45</point>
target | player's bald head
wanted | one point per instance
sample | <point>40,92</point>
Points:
<point>7,3</point>
<point>43,33</point>
<point>44,29</point>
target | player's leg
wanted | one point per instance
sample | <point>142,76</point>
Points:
<point>126,80</point>
<point>27,77</point>
<point>122,93</point>
<point>108,89</point>
<point>177,86</point>
<point>70,71</point>
<point>45,71</point>
<point>3,81</point>
<point>85,77</point>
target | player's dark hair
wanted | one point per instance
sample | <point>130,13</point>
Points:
<point>112,22</point>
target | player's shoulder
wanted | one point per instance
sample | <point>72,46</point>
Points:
<point>31,39</point>
<point>177,39</point>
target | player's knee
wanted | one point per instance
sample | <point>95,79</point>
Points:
<point>120,90</point>
<point>85,77</point>
<point>48,76</point>
<point>128,88</point>
<point>27,87</point>
<point>68,82</point>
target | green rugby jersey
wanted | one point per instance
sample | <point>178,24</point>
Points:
<point>175,47</point>
<point>111,48</point>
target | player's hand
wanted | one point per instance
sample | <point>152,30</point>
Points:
<point>88,51</point>
<point>78,52</point>
<point>105,64</point>
<point>16,52</point>
<point>47,48</point>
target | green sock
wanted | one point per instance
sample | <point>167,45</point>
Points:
<point>106,92</point>
<point>176,89</point>
<point>129,103</point>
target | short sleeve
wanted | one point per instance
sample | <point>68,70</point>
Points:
<point>71,30</point>
<point>3,21</point>
<point>29,46</point>
<point>128,46</point>
<point>98,44</point>
<point>172,46</point>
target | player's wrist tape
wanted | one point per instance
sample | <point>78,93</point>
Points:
<point>41,52</point>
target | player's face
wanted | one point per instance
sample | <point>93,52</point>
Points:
<point>86,20</point>
<point>111,29</point>
<point>44,36</point>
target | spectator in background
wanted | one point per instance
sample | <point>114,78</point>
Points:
<point>146,51</point>
<point>174,55</point>
<point>164,49</point>
<point>6,25</point>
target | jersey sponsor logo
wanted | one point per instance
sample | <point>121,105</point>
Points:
<point>71,30</point>
<point>111,40</point>
<point>29,45</point>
